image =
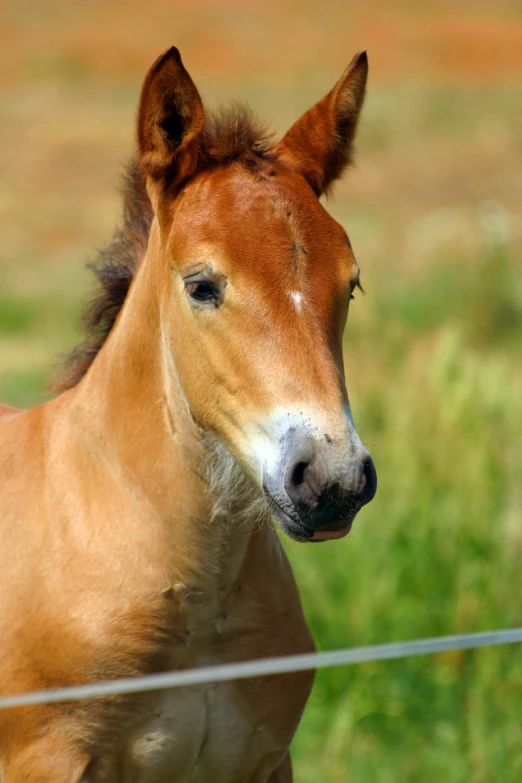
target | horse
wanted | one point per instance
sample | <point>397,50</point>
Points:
<point>206,408</point>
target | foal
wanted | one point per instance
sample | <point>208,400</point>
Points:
<point>137,507</point>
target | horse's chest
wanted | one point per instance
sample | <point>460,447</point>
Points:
<point>200,734</point>
<point>235,732</point>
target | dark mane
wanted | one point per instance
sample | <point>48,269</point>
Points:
<point>232,133</point>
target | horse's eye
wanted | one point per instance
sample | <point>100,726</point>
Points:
<point>204,292</point>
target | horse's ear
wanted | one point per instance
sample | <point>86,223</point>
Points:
<point>171,119</point>
<point>320,144</point>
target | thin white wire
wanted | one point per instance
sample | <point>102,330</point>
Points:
<point>268,666</point>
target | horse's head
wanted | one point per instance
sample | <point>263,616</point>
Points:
<point>256,281</point>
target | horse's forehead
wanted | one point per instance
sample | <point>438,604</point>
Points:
<point>259,208</point>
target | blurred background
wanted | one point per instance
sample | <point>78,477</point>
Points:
<point>433,351</point>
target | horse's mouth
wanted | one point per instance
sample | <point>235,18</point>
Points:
<point>330,535</point>
<point>300,532</point>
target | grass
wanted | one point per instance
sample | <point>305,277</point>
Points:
<point>433,352</point>
<point>438,551</point>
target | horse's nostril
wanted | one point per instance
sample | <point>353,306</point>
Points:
<point>298,473</point>
<point>369,486</point>
<point>300,483</point>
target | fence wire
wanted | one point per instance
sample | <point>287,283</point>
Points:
<point>209,675</point>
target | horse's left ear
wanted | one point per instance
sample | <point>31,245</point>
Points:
<point>171,119</point>
<point>320,144</point>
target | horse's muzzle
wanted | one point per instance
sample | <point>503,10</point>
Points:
<point>316,492</point>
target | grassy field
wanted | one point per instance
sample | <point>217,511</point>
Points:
<point>433,351</point>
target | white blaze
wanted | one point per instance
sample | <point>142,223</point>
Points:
<point>297,298</point>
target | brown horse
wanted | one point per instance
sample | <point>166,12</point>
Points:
<point>137,506</point>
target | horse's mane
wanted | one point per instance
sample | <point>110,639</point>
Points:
<point>232,133</point>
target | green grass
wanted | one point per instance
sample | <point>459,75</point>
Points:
<point>437,552</point>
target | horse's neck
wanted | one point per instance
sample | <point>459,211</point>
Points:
<point>130,405</point>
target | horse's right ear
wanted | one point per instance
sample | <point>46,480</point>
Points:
<point>319,145</point>
<point>171,119</point>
